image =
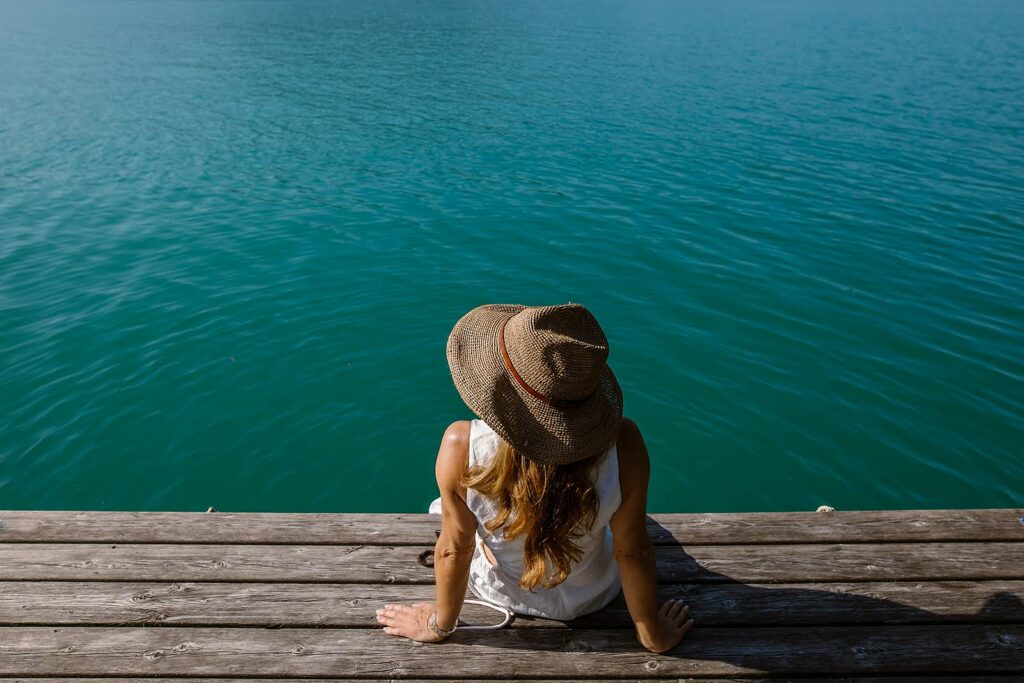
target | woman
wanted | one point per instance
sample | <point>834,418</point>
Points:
<point>543,498</point>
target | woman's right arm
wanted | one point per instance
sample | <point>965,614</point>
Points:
<point>659,629</point>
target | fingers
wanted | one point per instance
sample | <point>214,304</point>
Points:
<point>399,609</point>
<point>675,612</point>
<point>672,609</point>
<point>402,620</point>
<point>686,627</point>
<point>395,618</point>
<point>392,627</point>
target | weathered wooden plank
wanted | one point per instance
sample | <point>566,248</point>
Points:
<point>385,564</point>
<point>18,526</point>
<point>348,605</point>
<point>845,679</point>
<point>365,653</point>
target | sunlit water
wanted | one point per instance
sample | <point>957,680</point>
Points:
<point>234,237</point>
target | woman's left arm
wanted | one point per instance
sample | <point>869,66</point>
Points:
<point>453,551</point>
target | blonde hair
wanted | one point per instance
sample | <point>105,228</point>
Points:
<point>551,505</point>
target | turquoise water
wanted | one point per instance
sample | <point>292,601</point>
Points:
<point>234,237</point>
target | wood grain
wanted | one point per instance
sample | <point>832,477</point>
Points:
<point>364,653</point>
<point>20,526</point>
<point>397,564</point>
<point>348,605</point>
<point>915,595</point>
<point>844,679</point>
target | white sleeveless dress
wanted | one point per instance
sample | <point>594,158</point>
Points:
<point>592,583</point>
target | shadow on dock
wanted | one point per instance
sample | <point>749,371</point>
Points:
<point>812,623</point>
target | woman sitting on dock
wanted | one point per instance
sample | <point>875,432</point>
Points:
<point>543,498</point>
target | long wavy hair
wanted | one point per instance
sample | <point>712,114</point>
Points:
<point>550,505</point>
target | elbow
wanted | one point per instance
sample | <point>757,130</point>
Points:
<point>453,552</point>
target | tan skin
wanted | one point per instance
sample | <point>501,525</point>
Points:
<point>658,628</point>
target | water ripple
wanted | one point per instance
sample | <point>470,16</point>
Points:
<point>234,237</point>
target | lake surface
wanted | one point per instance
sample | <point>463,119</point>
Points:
<point>234,237</point>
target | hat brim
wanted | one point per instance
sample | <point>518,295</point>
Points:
<point>539,431</point>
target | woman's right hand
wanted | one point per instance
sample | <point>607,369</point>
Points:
<point>672,625</point>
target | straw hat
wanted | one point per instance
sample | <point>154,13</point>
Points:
<point>538,377</point>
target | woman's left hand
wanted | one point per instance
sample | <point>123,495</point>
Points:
<point>409,621</point>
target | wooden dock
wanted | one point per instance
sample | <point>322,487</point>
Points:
<point>860,596</point>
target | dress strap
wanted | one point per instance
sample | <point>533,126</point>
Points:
<point>509,617</point>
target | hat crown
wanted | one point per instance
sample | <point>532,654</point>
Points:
<point>560,351</point>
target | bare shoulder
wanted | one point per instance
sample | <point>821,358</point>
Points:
<point>628,429</point>
<point>458,431</point>
<point>634,463</point>
<point>630,442</point>
<point>453,455</point>
<point>629,520</point>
